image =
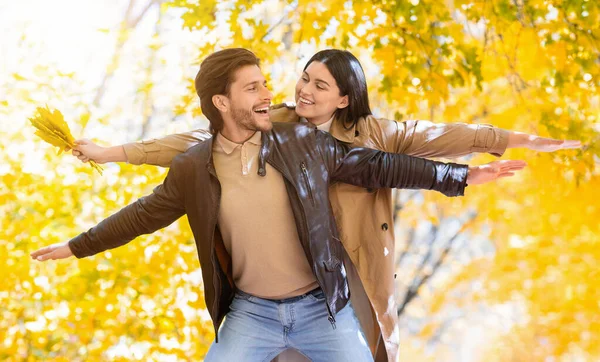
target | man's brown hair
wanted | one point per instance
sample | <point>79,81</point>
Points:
<point>215,77</point>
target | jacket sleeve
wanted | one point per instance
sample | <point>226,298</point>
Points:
<point>449,140</point>
<point>366,167</point>
<point>161,151</point>
<point>144,216</point>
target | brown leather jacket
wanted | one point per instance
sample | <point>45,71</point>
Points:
<point>309,161</point>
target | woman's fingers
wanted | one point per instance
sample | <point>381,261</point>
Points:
<point>550,144</point>
<point>83,141</point>
<point>570,144</point>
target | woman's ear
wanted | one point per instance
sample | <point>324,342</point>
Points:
<point>221,102</point>
<point>344,102</point>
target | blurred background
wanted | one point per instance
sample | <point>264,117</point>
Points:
<point>507,273</point>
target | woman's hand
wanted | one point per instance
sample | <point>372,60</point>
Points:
<point>86,150</point>
<point>540,144</point>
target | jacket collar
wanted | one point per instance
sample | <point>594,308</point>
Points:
<point>341,133</point>
<point>338,130</point>
<point>265,150</point>
<point>210,166</point>
<point>285,112</point>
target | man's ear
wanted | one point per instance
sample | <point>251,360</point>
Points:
<point>221,102</point>
<point>344,102</point>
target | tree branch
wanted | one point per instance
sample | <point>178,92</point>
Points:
<point>127,24</point>
<point>413,290</point>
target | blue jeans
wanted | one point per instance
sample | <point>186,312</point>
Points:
<point>257,329</point>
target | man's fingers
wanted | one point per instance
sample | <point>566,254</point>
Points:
<point>491,170</point>
<point>513,162</point>
<point>512,167</point>
<point>54,251</point>
<point>509,162</point>
<point>49,256</point>
<point>506,174</point>
<point>508,165</point>
<point>42,251</point>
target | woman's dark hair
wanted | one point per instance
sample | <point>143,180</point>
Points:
<point>216,74</point>
<point>350,78</point>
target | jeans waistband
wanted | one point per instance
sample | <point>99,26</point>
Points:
<point>313,292</point>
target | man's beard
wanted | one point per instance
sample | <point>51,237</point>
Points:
<point>245,119</point>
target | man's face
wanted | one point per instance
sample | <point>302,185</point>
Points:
<point>249,100</point>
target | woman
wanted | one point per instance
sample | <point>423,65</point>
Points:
<point>332,94</point>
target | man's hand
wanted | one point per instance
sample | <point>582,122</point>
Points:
<point>86,150</point>
<point>54,251</point>
<point>493,170</point>
<point>540,144</point>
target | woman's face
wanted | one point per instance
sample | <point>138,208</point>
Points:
<point>317,94</point>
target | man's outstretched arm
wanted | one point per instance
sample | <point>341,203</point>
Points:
<point>377,169</point>
<point>144,216</point>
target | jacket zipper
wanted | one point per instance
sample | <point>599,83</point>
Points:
<point>330,317</point>
<point>307,180</point>
<point>215,261</point>
<point>217,294</point>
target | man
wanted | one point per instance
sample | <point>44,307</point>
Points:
<point>256,196</point>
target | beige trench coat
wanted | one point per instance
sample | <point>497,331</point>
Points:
<point>364,217</point>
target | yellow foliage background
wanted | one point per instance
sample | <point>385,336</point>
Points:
<point>522,282</point>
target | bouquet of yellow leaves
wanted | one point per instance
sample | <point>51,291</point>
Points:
<point>52,128</point>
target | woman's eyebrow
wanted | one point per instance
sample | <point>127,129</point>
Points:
<point>316,79</point>
<point>322,81</point>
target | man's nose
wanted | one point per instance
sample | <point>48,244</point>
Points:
<point>266,93</point>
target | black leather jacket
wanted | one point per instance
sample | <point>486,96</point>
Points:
<point>309,160</point>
